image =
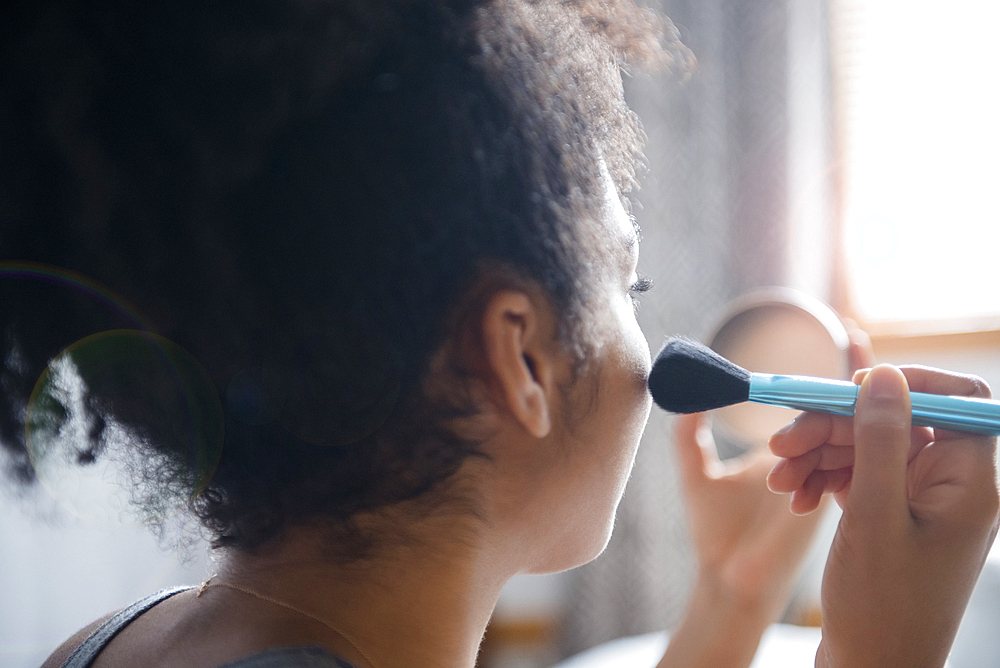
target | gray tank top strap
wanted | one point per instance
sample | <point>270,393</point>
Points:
<point>88,650</point>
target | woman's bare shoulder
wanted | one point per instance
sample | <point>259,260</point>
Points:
<point>63,652</point>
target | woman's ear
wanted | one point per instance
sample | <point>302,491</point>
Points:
<point>516,334</point>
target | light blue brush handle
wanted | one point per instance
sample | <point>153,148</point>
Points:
<point>820,395</point>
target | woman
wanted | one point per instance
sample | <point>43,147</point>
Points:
<point>381,337</point>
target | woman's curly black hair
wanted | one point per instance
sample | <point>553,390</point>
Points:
<point>283,201</point>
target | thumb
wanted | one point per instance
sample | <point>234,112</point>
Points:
<point>881,445</point>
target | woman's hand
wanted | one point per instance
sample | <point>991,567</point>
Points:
<point>748,545</point>
<point>920,513</point>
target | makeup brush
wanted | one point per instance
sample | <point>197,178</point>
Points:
<point>688,377</point>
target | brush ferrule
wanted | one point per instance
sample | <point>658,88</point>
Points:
<point>804,393</point>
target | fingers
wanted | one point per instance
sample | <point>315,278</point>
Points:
<point>860,354</point>
<point>692,443</point>
<point>818,430</point>
<point>833,457</point>
<point>807,498</point>
<point>809,431</point>
<point>937,381</point>
<point>789,474</point>
<point>882,437</point>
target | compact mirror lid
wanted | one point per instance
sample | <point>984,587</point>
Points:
<point>780,331</point>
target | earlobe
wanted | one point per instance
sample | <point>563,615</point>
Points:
<point>515,346</point>
<point>535,404</point>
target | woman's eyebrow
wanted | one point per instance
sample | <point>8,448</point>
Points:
<point>632,240</point>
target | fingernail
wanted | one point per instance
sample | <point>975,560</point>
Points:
<point>882,385</point>
<point>784,430</point>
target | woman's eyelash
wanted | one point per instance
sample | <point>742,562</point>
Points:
<point>644,284</point>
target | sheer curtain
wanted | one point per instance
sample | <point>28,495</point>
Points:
<point>737,196</point>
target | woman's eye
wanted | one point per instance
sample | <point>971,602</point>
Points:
<point>643,284</point>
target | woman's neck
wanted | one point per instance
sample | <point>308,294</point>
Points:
<point>422,603</point>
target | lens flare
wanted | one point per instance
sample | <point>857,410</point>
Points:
<point>77,282</point>
<point>100,408</point>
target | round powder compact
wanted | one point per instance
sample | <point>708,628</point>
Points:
<point>777,331</point>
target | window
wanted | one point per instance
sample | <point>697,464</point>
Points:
<point>919,120</point>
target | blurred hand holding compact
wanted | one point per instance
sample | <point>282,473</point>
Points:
<point>748,546</point>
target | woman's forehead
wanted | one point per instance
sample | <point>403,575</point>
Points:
<point>622,226</point>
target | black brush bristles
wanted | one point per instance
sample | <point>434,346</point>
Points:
<point>688,377</point>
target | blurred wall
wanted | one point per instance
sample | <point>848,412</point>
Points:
<point>59,572</point>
